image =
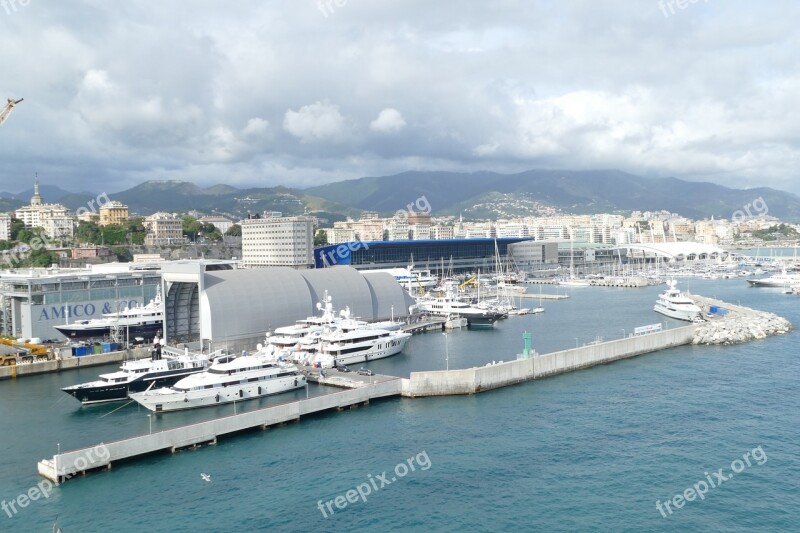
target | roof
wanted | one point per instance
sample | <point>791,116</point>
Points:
<point>677,249</point>
<point>247,302</point>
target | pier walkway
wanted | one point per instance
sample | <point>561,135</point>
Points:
<point>65,465</point>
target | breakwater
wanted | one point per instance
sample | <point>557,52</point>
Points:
<point>478,379</point>
<point>734,324</point>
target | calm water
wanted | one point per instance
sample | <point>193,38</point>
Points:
<point>588,451</point>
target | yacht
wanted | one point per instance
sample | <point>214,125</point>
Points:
<point>353,341</point>
<point>778,280</point>
<point>448,305</point>
<point>140,321</point>
<point>244,378</point>
<point>675,305</point>
<point>136,376</point>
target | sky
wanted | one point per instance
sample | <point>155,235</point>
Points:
<point>300,93</point>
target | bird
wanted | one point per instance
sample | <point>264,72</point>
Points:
<point>206,477</point>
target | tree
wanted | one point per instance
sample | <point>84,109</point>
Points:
<point>321,238</point>
<point>191,227</point>
<point>234,231</point>
<point>16,226</point>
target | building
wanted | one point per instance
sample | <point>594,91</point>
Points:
<point>5,226</point>
<point>278,241</point>
<point>163,229</point>
<point>458,255</point>
<point>113,212</point>
<point>32,301</point>
<point>214,306</point>
<point>221,223</point>
<point>55,219</point>
<point>531,256</point>
<point>91,252</point>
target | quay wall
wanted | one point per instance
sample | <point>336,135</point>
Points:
<point>472,380</point>
<point>68,363</point>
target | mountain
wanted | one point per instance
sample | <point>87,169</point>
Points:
<point>50,193</point>
<point>177,196</point>
<point>580,192</point>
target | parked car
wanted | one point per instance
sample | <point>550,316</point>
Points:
<point>342,368</point>
<point>365,371</point>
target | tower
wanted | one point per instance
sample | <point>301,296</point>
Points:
<point>36,199</point>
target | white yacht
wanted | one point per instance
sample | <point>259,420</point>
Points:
<point>778,280</point>
<point>675,305</point>
<point>448,305</point>
<point>243,378</point>
<point>352,341</point>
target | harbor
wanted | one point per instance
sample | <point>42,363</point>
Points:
<point>361,389</point>
<point>406,380</point>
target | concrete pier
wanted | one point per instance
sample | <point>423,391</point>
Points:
<point>66,465</point>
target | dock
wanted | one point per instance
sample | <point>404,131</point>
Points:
<point>64,466</point>
<point>434,323</point>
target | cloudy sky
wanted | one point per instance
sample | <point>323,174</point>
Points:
<point>302,92</point>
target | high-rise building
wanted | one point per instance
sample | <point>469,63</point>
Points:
<point>278,241</point>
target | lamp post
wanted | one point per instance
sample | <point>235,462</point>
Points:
<point>446,353</point>
<point>623,333</point>
<point>150,418</point>
<point>576,342</point>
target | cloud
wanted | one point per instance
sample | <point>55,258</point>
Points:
<point>314,122</point>
<point>257,93</point>
<point>389,121</point>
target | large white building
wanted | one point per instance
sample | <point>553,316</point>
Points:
<point>278,241</point>
<point>55,219</point>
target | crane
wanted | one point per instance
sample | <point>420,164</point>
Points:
<point>7,109</point>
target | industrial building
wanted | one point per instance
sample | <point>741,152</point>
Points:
<point>212,305</point>
<point>278,241</point>
<point>32,301</point>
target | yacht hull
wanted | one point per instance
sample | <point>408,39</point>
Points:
<point>100,392</point>
<point>177,401</point>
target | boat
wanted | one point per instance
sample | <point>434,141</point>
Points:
<point>244,378</point>
<point>674,304</point>
<point>136,376</point>
<point>448,305</point>
<point>778,280</point>
<point>353,341</point>
<point>455,322</point>
<point>139,321</point>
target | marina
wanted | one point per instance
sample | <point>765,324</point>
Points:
<point>469,352</point>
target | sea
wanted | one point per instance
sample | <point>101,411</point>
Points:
<point>713,431</point>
